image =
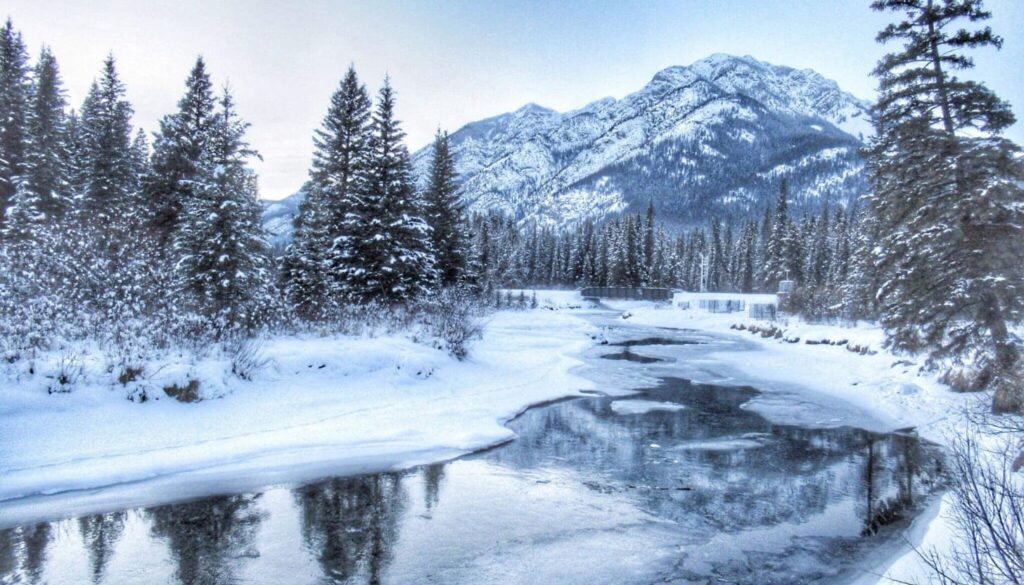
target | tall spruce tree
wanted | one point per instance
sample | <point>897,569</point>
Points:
<point>389,257</point>
<point>306,282</point>
<point>444,212</point>
<point>110,190</point>
<point>178,151</point>
<point>318,258</point>
<point>222,258</point>
<point>777,250</point>
<point>340,158</point>
<point>947,201</point>
<point>15,92</point>
<point>40,200</point>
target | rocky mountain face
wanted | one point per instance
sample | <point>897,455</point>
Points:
<point>712,139</point>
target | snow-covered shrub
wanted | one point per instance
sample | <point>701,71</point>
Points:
<point>988,506</point>
<point>193,333</point>
<point>67,371</point>
<point>246,356</point>
<point>451,317</point>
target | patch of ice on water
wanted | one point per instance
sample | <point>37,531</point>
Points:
<point>626,407</point>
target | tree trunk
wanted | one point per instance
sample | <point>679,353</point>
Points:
<point>1009,388</point>
<point>940,75</point>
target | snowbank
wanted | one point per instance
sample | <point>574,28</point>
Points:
<point>321,406</point>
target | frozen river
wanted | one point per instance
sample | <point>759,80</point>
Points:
<point>679,483</point>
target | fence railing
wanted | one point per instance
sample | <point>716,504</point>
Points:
<point>722,305</point>
<point>625,292</point>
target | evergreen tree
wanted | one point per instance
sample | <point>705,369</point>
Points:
<point>40,200</point>
<point>15,92</point>
<point>110,185</point>
<point>178,151</point>
<point>45,168</point>
<point>222,262</point>
<point>947,201</point>
<point>444,214</point>
<point>389,257</point>
<point>328,223</point>
<point>747,253</point>
<point>340,158</point>
<point>115,254</point>
<point>779,246</point>
<point>648,251</point>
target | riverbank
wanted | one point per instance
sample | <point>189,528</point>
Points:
<point>320,406</point>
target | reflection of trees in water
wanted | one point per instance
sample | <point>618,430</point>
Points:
<point>895,468</point>
<point>795,473</point>
<point>100,534</point>
<point>433,475</point>
<point>23,553</point>
<point>351,524</point>
<point>208,538</point>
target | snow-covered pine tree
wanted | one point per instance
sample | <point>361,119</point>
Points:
<point>794,246</point>
<point>444,213</point>
<point>222,262</point>
<point>116,253</point>
<point>178,149</point>
<point>947,199</point>
<point>747,252</point>
<point>111,185</point>
<point>339,163</point>
<point>778,247</point>
<point>761,277</point>
<point>15,92</point>
<point>648,244</point>
<point>861,283</point>
<point>839,242</point>
<point>320,255</point>
<point>141,154</point>
<point>305,281</point>
<point>41,198</point>
<point>390,258</point>
<point>819,253</point>
<point>716,257</point>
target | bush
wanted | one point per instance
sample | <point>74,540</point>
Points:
<point>987,545</point>
<point>452,317</point>
<point>246,357</point>
<point>67,372</point>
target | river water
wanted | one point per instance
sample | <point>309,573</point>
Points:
<point>678,483</point>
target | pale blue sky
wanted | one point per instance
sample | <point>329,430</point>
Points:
<point>455,61</point>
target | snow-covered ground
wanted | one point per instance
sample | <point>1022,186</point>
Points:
<point>327,406</point>
<point>321,406</point>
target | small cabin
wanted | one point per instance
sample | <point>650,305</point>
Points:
<point>642,293</point>
<point>786,286</point>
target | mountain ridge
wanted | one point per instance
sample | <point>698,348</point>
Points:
<point>541,165</point>
<point>709,139</point>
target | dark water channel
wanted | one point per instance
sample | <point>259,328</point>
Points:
<point>678,484</point>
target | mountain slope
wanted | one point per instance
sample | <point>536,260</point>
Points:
<point>710,139</point>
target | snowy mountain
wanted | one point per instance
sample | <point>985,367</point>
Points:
<point>277,218</point>
<point>710,139</point>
